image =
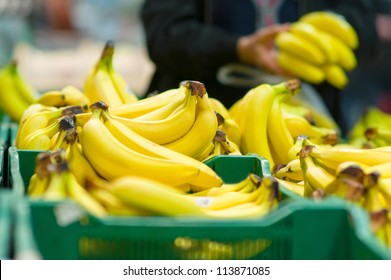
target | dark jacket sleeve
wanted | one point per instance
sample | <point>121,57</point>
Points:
<point>181,43</point>
<point>360,14</point>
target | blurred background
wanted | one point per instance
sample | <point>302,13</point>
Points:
<point>56,42</point>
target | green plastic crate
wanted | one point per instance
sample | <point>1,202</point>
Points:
<point>4,134</point>
<point>5,224</point>
<point>13,131</point>
<point>298,229</point>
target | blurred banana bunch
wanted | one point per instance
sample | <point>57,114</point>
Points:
<point>319,47</point>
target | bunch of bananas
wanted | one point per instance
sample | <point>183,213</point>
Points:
<point>103,83</point>
<point>361,176</point>
<point>270,123</point>
<point>57,178</point>
<point>16,95</point>
<point>319,47</point>
<point>67,96</point>
<point>372,130</point>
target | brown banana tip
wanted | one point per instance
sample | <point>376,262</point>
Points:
<point>220,118</point>
<point>67,122</point>
<point>331,139</point>
<point>294,86</point>
<point>305,151</point>
<point>372,178</point>
<point>378,219</point>
<point>275,186</point>
<point>108,49</point>
<point>277,167</point>
<point>371,133</point>
<point>71,136</point>
<point>62,166</point>
<point>197,88</point>
<point>353,171</point>
<point>99,105</point>
<point>72,110</point>
<point>220,136</point>
<point>355,189</point>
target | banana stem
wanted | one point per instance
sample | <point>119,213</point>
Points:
<point>291,86</point>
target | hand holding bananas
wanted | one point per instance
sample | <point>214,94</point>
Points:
<point>319,47</point>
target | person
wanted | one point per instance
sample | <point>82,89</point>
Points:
<point>195,39</point>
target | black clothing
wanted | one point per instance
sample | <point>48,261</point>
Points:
<point>192,39</point>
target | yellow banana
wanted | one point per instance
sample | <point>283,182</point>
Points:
<point>172,128</point>
<point>56,188</point>
<point>291,171</point>
<point>148,104</point>
<point>278,133</point>
<point>126,95</point>
<point>334,24</point>
<point>157,197</point>
<point>41,138</point>
<point>198,138</point>
<point>300,68</point>
<point>99,85</point>
<point>297,125</point>
<point>336,76</point>
<point>67,96</point>
<point>254,135</point>
<point>346,57</point>
<point>11,101</point>
<point>295,187</point>
<point>82,197</point>
<point>314,35</point>
<point>300,48</point>
<point>142,145</point>
<point>219,108</point>
<point>125,161</point>
<point>294,151</point>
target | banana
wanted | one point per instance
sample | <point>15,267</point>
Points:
<point>41,119</point>
<point>219,108</point>
<point>172,128</point>
<point>345,56</point>
<point>56,187</point>
<point>230,128</point>
<point>11,100</point>
<point>279,136</point>
<point>295,187</point>
<point>127,96</point>
<point>336,76</point>
<point>198,138</point>
<point>125,161</point>
<point>254,136</point>
<point>302,69</point>
<point>138,143</point>
<point>99,85</point>
<point>297,125</point>
<point>300,48</point>
<point>82,197</point>
<point>313,35</point>
<point>148,104</point>
<point>315,177</point>
<point>338,155</point>
<point>294,151</point>
<point>114,206</point>
<point>334,24</point>
<point>291,171</point>
<point>157,197</point>
<point>67,96</point>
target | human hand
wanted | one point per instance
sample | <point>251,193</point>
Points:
<point>258,49</point>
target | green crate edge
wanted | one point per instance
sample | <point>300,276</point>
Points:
<point>370,247</point>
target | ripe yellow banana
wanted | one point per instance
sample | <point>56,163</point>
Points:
<point>67,96</point>
<point>279,136</point>
<point>82,197</point>
<point>256,114</point>
<point>173,127</point>
<point>295,187</point>
<point>336,76</point>
<point>201,134</point>
<point>125,161</point>
<point>300,68</point>
<point>314,35</point>
<point>345,56</point>
<point>291,171</point>
<point>138,143</point>
<point>99,85</point>
<point>157,197</point>
<point>148,104</point>
<point>11,100</point>
<point>300,48</point>
<point>334,24</point>
<point>127,96</point>
<point>297,125</point>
